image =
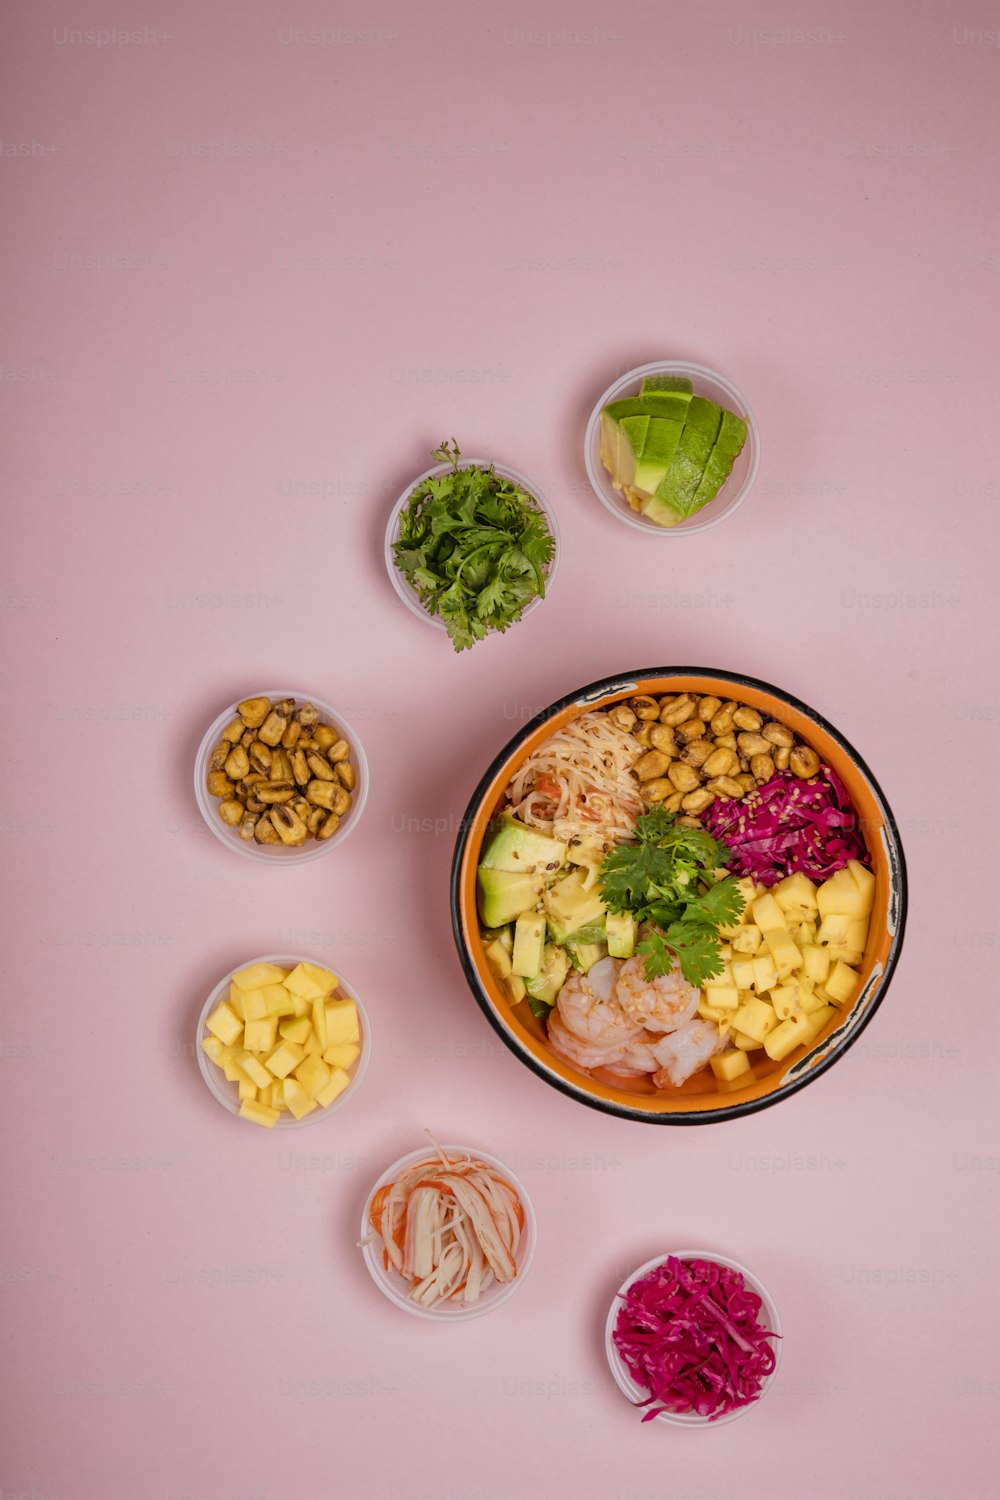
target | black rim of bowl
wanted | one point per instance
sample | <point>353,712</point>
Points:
<point>596,691</point>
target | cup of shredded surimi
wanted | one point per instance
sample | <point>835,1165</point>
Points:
<point>448,1232</point>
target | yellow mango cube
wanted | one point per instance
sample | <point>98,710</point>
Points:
<point>804,933</point>
<point>747,940</point>
<point>857,934</point>
<point>257,975</point>
<point>254,1069</point>
<point>254,1005</point>
<point>787,1001</point>
<point>294,1028</point>
<point>787,957</point>
<point>260,1035</point>
<point>730,1065</point>
<point>319,1022</point>
<point>342,1022</point>
<point>247,1090</point>
<point>818,1019</point>
<point>865,882</point>
<point>278,1001</point>
<point>796,895</point>
<point>230,1067</point>
<point>235,1001</point>
<point>833,930</point>
<point>311,1046</point>
<point>767,914</point>
<point>277,1093</point>
<point>343,1055</point>
<point>786,1037</point>
<point>815,963</point>
<point>313,1074</point>
<point>755,1019</point>
<point>339,1081</point>
<point>225,1024</point>
<point>765,973</point>
<point>743,1042</point>
<point>721,996</point>
<point>743,972</point>
<point>212,1048</point>
<point>285,1057</point>
<point>260,1114</point>
<point>841,983</point>
<point>311,982</point>
<point>297,1100</point>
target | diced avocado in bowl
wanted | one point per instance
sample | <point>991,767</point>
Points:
<point>518,849</point>
<point>503,895</point>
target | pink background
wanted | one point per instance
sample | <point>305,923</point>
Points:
<point>468,224</point>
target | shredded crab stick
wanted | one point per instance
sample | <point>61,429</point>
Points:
<point>450,1226</point>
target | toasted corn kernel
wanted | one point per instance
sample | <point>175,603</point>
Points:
<point>275,791</point>
<point>306,715</point>
<point>622,717</point>
<point>233,731</point>
<point>248,826</point>
<point>219,784</point>
<point>230,811</point>
<point>281,766</point>
<point>272,728</point>
<point>722,722</point>
<point>317,816</point>
<point>746,781</point>
<point>726,741</point>
<point>325,736</point>
<point>255,805</point>
<point>301,807</point>
<point>300,767</point>
<point>323,794</point>
<point>644,707</point>
<point>656,791</point>
<point>762,766</point>
<point>685,778</point>
<point>681,709</point>
<point>691,729</point>
<point>329,827</point>
<point>673,802</point>
<point>237,763</point>
<point>661,737</point>
<point>781,757</point>
<point>265,832</point>
<point>697,753</point>
<point>338,751</point>
<point>696,802</point>
<point>651,765</point>
<point>721,763</point>
<point>288,825</point>
<point>346,773</point>
<point>777,734</point>
<point>708,707</point>
<point>247,738</point>
<point>253,711</point>
<point>725,786</point>
<point>753,744</point>
<point>290,738</point>
<point>318,766</point>
<point>641,734</point>
<point>260,757</point>
<point>219,755</point>
<point>747,718</point>
<point>803,762</point>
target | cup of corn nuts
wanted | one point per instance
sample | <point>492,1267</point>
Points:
<point>281,776</point>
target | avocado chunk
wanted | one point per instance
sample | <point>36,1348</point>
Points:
<point>529,941</point>
<point>499,958</point>
<point>665,383</point>
<point>662,437</point>
<point>584,956</point>
<point>680,484</point>
<point>573,909</point>
<point>621,934</point>
<point>631,438</point>
<point>728,446</point>
<point>670,404</point>
<point>517,848</point>
<point>504,895</point>
<point>551,977</point>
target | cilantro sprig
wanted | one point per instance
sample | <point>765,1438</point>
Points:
<point>475,547</point>
<point>667,880</point>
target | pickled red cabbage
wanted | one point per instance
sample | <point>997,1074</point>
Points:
<point>690,1333</point>
<point>788,826</point>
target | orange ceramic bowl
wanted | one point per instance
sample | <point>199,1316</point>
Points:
<point>699,1101</point>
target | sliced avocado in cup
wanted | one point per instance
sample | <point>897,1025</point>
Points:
<point>665,383</point>
<point>728,446</point>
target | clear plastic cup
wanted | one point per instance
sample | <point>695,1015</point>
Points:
<point>637,1393</point>
<point>281,853</point>
<point>397,1290</point>
<point>409,595</point>
<point>713,387</point>
<point>228,1093</point>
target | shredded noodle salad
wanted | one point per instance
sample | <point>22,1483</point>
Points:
<point>578,782</point>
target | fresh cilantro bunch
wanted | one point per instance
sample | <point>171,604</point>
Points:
<point>475,546</point>
<point>668,881</point>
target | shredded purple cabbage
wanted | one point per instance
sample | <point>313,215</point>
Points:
<point>690,1333</point>
<point>788,826</point>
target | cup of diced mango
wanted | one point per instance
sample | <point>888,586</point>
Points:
<point>283,1041</point>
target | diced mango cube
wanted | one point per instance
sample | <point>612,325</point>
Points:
<point>339,1081</point>
<point>833,930</point>
<point>343,1055</point>
<point>818,1019</point>
<point>804,933</point>
<point>319,1022</point>
<point>730,1065</point>
<point>260,1114</point>
<point>787,1001</point>
<point>278,1001</point>
<point>235,1000</point>
<point>767,913</point>
<point>247,1090</point>
<point>743,1042</point>
<point>230,1067</point>
<point>743,972</point>
<point>841,983</point>
<point>815,963</point>
<point>254,1005</point>
<point>285,1057</point>
<point>254,1069</point>
<point>311,982</point>
<point>294,1028</point>
<point>721,996</point>
<point>865,882</point>
<point>755,1019</point>
<point>747,940</point>
<point>787,957</point>
<point>786,1037</point>
<point>342,1022</point>
<point>311,1046</point>
<point>260,1034</point>
<point>313,1074</point>
<point>765,973</point>
<point>796,895</point>
<point>277,1093</point>
<point>225,1024</point>
<point>857,934</point>
<point>257,975</point>
<point>297,1100</point>
<point>212,1047</point>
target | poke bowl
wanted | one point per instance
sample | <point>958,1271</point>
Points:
<point>666,932</point>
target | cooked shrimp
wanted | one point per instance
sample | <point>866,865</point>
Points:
<point>588,1008</point>
<point>638,1056</point>
<point>582,1054</point>
<point>686,1050</point>
<point>661,1004</point>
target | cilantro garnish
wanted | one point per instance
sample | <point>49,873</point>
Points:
<point>475,546</point>
<point>668,881</point>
